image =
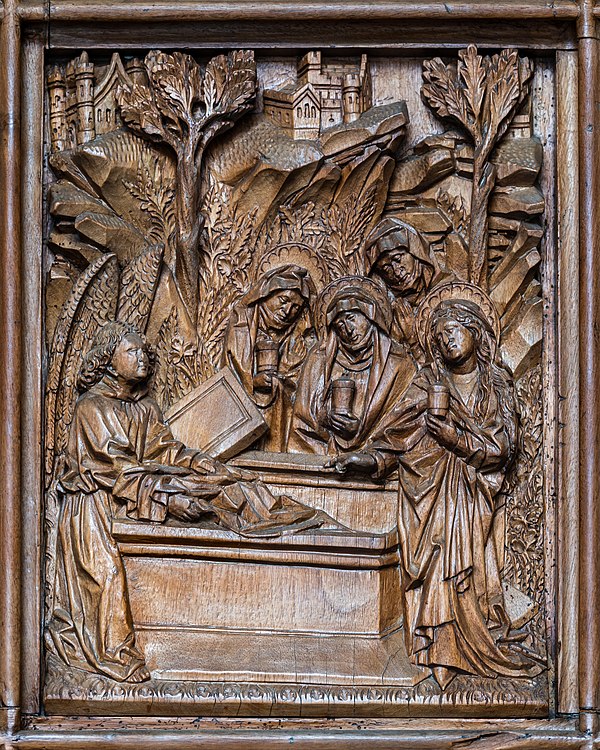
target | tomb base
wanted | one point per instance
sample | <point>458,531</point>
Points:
<point>306,608</point>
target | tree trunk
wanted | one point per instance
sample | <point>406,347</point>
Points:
<point>484,178</point>
<point>189,225</point>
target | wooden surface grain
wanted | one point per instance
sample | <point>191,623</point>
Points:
<point>568,314</point>
<point>589,354</point>
<point>140,11</point>
<point>299,34</point>
<point>208,25</point>
<point>31,445</point>
<point>10,358</point>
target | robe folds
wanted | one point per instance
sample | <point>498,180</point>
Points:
<point>378,388</point>
<point>122,461</point>
<point>455,619</point>
<point>246,325</point>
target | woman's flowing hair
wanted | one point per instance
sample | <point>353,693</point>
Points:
<point>492,375</point>
<point>96,361</point>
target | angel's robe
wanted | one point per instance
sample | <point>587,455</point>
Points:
<point>122,460</point>
<point>379,383</point>
<point>455,618</point>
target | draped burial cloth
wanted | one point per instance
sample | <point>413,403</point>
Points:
<point>123,459</point>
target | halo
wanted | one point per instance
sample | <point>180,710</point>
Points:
<point>375,290</point>
<point>301,255</point>
<point>455,290</point>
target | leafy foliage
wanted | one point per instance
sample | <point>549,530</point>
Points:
<point>524,502</point>
<point>349,225</point>
<point>453,207</point>
<point>224,275</point>
<point>186,110</point>
<point>155,194</point>
<point>482,95</point>
<point>479,93</point>
<point>180,107</point>
<point>180,364</point>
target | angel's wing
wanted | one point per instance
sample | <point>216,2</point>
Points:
<point>91,304</point>
<point>138,287</point>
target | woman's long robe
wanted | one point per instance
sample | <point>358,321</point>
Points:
<point>386,379</point>
<point>454,607</point>
<point>239,352</point>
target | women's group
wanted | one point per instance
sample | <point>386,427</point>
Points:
<point>400,371</point>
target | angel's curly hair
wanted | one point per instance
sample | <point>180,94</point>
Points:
<point>96,361</point>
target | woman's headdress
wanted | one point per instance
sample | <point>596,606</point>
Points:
<point>281,278</point>
<point>391,234</point>
<point>354,293</point>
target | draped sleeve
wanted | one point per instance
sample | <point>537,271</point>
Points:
<point>126,449</point>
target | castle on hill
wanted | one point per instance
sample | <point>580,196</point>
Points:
<point>324,95</point>
<point>82,98</point>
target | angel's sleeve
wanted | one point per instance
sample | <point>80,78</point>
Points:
<point>99,448</point>
<point>162,447</point>
<point>101,456</point>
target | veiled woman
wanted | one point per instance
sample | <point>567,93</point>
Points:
<point>356,347</point>
<point>452,463</point>
<point>398,256</point>
<point>274,314</point>
<point>122,460</point>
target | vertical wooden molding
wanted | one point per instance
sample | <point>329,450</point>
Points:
<point>589,334</point>
<point>567,177</point>
<point>10,363</point>
<point>32,90</point>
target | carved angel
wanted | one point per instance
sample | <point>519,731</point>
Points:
<point>122,460</point>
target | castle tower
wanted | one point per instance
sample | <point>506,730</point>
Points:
<point>57,92</point>
<point>84,93</point>
<point>137,71</point>
<point>522,123</point>
<point>366,84</point>
<point>309,68</point>
<point>351,98</point>
<point>71,105</point>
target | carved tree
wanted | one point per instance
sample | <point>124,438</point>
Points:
<point>482,94</point>
<point>186,110</point>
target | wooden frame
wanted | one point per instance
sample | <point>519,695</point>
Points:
<point>567,29</point>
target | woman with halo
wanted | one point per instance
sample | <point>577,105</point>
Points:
<point>452,437</point>
<point>268,336</point>
<point>354,376</point>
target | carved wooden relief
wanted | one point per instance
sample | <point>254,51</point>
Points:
<point>296,389</point>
